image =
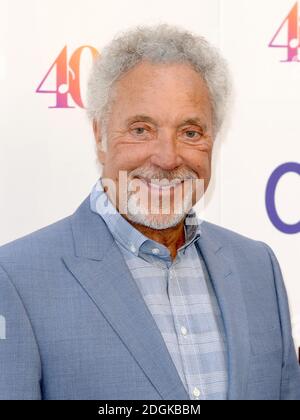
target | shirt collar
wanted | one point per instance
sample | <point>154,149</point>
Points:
<point>127,235</point>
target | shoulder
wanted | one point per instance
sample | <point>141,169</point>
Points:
<point>246,254</point>
<point>48,242</point>
<point>232,238</point>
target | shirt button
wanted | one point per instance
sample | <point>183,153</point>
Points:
<point>183,331</point>
<point>196,392</point>
<point>155,251</point>
<point>132,248</point>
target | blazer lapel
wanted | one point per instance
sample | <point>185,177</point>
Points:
<point>227,285</point>
<point>99,267</point>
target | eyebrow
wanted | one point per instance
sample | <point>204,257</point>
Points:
<point>140,117</point>
<point>194,121</point>
<point>187,121</point>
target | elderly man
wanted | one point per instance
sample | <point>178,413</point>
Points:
<point>133,296</point>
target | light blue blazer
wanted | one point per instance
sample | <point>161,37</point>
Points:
<point>77,326</point>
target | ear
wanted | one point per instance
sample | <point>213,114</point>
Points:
<point>98,139</point>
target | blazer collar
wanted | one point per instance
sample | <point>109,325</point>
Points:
<point>227,283</point>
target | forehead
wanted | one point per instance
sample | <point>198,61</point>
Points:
<point>170,87</point>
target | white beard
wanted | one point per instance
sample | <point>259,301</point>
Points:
<point>160,218</point>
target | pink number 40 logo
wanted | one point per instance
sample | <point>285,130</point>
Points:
<point>292,24</point>
<point>67,80</point>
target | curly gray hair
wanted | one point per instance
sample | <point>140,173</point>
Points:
<point>162,43</point>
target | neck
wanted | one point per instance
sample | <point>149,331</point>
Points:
<point>173,238</point>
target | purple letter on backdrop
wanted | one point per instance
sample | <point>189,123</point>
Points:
<point>270,197</point>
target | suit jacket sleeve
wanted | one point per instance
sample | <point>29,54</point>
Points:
<point>20,365</point>
<point>290,384</point>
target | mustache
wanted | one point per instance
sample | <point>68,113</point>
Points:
<point>160,174</point>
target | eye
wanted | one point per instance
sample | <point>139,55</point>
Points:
<point>192,134</point>
<point>139,130</point>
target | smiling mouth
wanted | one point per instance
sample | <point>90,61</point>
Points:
<point>160,186</point>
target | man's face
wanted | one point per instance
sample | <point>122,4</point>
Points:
<point>159,128</point>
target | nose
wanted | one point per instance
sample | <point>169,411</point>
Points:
<point>166,154</point>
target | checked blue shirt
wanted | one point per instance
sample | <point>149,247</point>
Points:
<point>180,297</point>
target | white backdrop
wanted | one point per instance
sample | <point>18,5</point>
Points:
<point>47,160</point>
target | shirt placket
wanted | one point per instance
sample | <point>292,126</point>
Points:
<point>183,330</point>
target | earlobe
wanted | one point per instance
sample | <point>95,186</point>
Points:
<point>101,153</point>
<point>99,144</point>
<point>97,131</point>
